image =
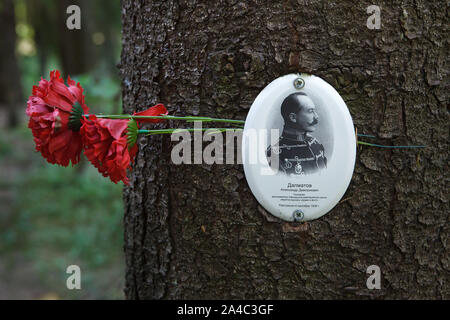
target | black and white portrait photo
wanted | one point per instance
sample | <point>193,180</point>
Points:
<point>299,150</point>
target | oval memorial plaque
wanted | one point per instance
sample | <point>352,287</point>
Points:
<point>298,147</point>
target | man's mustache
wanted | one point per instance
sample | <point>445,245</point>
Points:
<point>314,122</point>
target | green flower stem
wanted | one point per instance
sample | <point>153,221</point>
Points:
<point>366,135</point>
<point>162,131</point>
<point>188,118</point>
<point>381,146</point>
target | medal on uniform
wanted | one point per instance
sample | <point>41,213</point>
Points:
<point>298,168</point>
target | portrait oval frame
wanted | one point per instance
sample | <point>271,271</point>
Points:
<point>299,195</point>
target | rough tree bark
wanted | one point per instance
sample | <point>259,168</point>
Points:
<point>196,231</point>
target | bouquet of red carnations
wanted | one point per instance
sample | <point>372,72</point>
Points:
<point>63,128</point>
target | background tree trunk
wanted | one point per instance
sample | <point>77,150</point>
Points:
<point>196,231</point>
<point>75,47</point>
<point>11,98</point>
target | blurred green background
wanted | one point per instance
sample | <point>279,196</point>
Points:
<point>52,217</point>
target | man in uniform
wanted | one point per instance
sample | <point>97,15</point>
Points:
<point>298,151</point>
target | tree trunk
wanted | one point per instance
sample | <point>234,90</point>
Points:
<point>196,231</point>
<point>11,98</point>
<point>75,46</point>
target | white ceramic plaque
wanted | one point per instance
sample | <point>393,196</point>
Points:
<point>298,147</point>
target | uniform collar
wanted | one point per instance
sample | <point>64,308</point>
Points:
<point>294,134</point>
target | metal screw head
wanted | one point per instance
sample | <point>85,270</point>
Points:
<point>299,83</point>
<point>298,215</point>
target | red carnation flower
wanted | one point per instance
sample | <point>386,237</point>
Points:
<point>49,109</point>
<point>106,147</point>
<point>157,110</point>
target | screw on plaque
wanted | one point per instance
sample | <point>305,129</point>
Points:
<point>299,83</point>
<point>298,215</point>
